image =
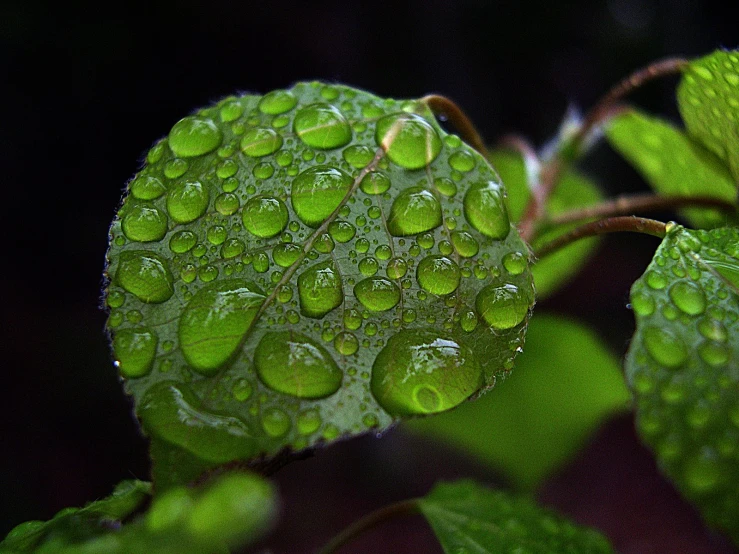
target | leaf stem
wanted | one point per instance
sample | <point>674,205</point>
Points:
<point>441,105</point>
<point>601,110</point>
<point>553,167</point>
<point>603,226</point>
<point>627,205</point>
<point>402,508</point>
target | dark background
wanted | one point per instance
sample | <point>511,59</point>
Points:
<point>86,91</point>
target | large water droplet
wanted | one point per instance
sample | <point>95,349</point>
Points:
<point>168,410</point>
<point>320,290</point>
<point>688,297</point>
<point>484,208</point>
<point>187,201</point>
<point>194,136</point>
<point>144,223</point>
<point>264,216</point>
<point>409,140</point>
<point>438,275</point>
<point>317,192</point>
<point>260,141</point>
<point>134,350</point>
<point>322,126</point>
<point>414,211</point>
<point>277,102</point>
<point>377,294</point>
<point>145,275</point>
<point>502,306</point>
<point>666,348</point>
<point>215,321</point>
<point>419,372</point>
<point>293,364</point>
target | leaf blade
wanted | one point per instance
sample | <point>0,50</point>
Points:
<point>682,368</point>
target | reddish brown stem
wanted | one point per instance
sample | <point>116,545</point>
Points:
<point>628,205</point>
<point>441,105</point>
<point>603,226</point>
<point>403,508</point>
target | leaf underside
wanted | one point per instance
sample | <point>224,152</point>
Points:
<point>683,366</point>
<point>475,520</point>
<point>307,265</point>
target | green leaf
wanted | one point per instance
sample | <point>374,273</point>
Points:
<point>682,366</point>
<point>306,265</point>
<point>672,163</point>
<point>573,191</point>
<point>566,382</point>
<point>233,510</point>
<point>76,524</point>
<point>708,98</point>
<point>475,520</point>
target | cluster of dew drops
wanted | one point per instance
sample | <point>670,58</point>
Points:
<point>682,371</point>
<point>264,187</point>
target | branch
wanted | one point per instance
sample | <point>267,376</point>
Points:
<point>402,508</point>
<point>442,105</point>
<point>627,205</point>
<point>603,226</point>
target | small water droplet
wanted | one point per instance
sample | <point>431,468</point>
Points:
<point>408,139</point>
<point>419,372</point>
<point>438,275</point>
<point>341,231</point>
<point>317,192</point>
<point>502,307</point>
<point>414,211</point>
<point>144,224</point>
<point>322,126</point>
<point>134,350</point>
<point>702,473</point>
<point>214,322</point>
<point>309,421</point>
<point>377,294</point>
<point>643,304</point>
<point>484,208</point>
<point>194,136</point>
<point>187,201</point>
<point>145,275</point>
<point>242,390</point>
<point>656,280</point>
<point>260,141</point>
<point>514,263</point>
<point>264,216</point>
<point>688,297</point>
<point>664,347</point>
<point>275,422</point>
<point>293,364</point>
<point>146,187</point>
<point>712,329</point>
<point>375,182</point>
<point>277,102</point>
<point>358,156</point>
<point>396,268</point>
<point>232,248</point>
<point>714,353</point>
<point>346,343</point>
<point>462,161</point>
<point>320,290</point>
<point>286,255</point>
<point>368,267</point>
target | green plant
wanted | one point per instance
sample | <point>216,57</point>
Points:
<point>292,269</point>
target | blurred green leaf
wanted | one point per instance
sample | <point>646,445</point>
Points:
<point>565,383</point>
<point>683,365</point>
<point>471,519</point>
<point>708,98</point>
<point>309,264</point>
<point>672,163</point>
<point>230,511</point>
<point>573,191</point>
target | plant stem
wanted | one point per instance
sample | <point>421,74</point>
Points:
<point>626,205</point>
<point>603,226</point>
<point>441,105</point>
<point>553,168</point>
<point>669,66</point>
<point>402,508</point>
